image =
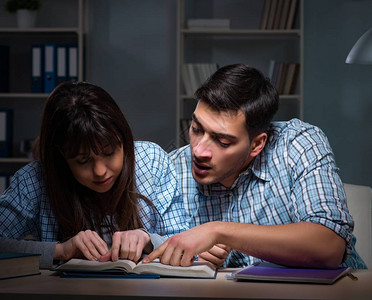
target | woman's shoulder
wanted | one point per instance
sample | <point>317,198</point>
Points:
<point>31,170</point>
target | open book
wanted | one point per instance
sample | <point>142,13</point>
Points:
<point>81,267</point>
<point>264,271</point>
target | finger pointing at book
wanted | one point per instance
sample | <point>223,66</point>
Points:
<point>181,248</point>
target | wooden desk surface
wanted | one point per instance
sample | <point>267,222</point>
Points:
<point>48,285</point>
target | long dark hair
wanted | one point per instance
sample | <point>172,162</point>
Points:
<point>79,116</point>
<point>240,87</point>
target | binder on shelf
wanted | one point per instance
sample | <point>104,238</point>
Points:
<point>72,63</point>
<point>61,63</point>
<point>4,69</point>
<point>37,69</point>
<point>6,138</point>
<point>50,63</point>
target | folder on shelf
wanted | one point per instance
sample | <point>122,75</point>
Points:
<point>37,69</point>
<point>61,63</point>
<point>50,63</point>
<point>72,63</point>
<point>6,122</point>
<point>4,69</point>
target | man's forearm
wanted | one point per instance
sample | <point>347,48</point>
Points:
<point>298,244</point>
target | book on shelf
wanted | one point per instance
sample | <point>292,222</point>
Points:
<point>265,14</point>
<point>279,14</point>
<point>87,268</point>
<point>208,24</point>
<point>291,80</point>
<point>194,75</point>
<point>284,76</point>
<point>292,14</point>
<point>264,271</point>
<point>271,17</point>
<point>18,264</point>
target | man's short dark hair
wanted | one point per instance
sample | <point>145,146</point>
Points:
<point>240,87</point>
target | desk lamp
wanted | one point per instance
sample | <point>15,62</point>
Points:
<point>361,53</point>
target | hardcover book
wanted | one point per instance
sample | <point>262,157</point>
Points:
<point>87,268</point>
<point>18,264</point>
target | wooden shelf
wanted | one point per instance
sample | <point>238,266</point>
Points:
<point>23,95</point>
<point>292,32</point>
<point>12,160</point>
<point>39,30</point>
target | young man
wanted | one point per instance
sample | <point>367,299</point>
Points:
<point>269,191</point>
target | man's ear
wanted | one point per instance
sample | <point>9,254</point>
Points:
<point>258,143</point>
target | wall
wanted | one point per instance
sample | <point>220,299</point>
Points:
<point>133,54</point>
<point>338,96</point>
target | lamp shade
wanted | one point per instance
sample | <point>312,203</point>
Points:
<point>361,53</point>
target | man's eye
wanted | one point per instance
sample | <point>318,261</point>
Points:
<point>224,145</point>
<point>195,130</point>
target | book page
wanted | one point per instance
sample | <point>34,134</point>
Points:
<point>197,269</point>
<point>89,265</point>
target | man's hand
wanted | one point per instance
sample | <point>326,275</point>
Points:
<point>180,249</point>
<point>86,244</point>
<point>216,255</point>
<point>128,245</point>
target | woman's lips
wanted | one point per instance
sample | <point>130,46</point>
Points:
<point>103,182</point>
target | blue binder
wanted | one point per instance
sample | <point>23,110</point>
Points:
<point>4,69</point>
<point>73,63</point>
<point>6,132</point>
<point>61,63</point>
<point>37,78</point>
<point>50,65</point>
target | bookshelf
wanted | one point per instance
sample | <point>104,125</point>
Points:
<point>58,22</point>
<point>247,39</point>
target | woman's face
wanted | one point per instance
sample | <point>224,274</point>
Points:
<point>97,172</point>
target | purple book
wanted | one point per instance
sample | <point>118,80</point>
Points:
<point>264,271</point>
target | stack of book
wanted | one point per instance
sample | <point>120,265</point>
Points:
<point>279,14</point>
<point>194,75</point>
<point>284,76</point>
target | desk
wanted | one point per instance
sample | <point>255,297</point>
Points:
<point>50,286</point>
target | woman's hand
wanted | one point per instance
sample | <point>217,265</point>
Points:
<point>128,245</point>
<point>86,244</point>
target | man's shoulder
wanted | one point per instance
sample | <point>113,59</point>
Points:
<point>293,129</point>
<point>180,153</point>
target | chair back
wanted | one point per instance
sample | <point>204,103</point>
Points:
<point>359,202</point>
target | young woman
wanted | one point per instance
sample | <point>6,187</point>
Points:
<point>93,192</point>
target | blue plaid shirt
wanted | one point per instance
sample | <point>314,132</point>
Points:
<point>294,179</point>
<point>25,210</point>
